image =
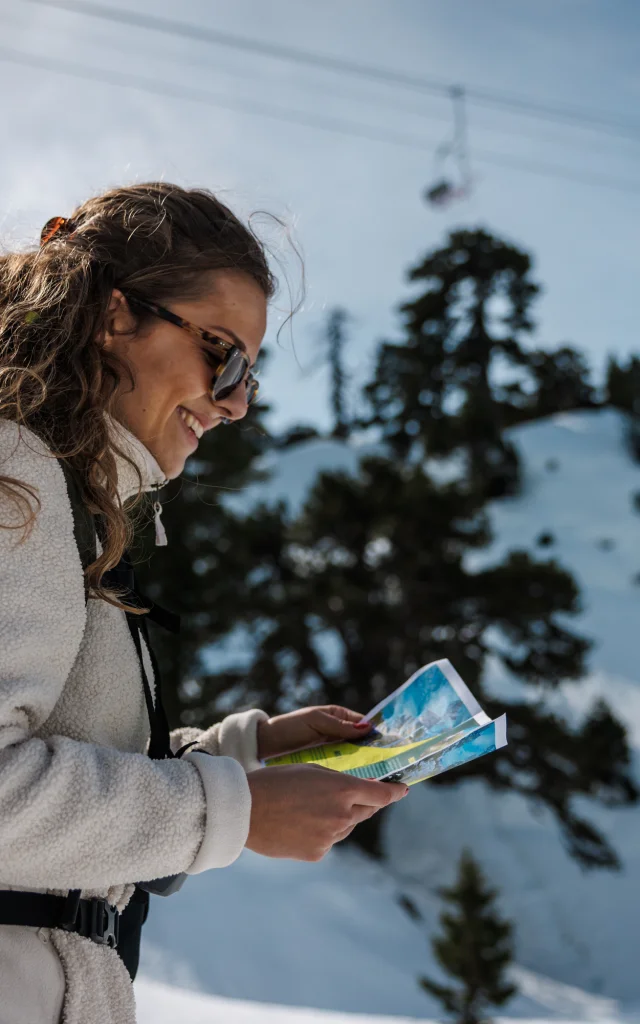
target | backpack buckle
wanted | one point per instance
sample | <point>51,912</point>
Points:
<point>103,924</point>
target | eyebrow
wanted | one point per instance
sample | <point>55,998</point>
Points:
<point>225,330</point>
<point>236,340</point>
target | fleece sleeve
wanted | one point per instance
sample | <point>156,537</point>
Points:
<point>77,814</point>
<point>235,736</point>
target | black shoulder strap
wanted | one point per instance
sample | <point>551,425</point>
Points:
<point>122,576</point>
<point>85,529</point>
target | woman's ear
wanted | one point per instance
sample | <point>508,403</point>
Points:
<point>119,321</point>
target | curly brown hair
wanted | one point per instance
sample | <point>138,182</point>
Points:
<point>155,239</point>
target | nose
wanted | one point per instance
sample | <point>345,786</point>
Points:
<point>234,406</point>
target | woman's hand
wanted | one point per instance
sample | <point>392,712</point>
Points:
<point>308,727</point>
<point>300,810</point>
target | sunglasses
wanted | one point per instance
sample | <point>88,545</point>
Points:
<point>229,362</point>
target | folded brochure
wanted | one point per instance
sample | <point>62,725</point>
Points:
<point>428,725</point>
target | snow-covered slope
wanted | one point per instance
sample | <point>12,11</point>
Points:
<point>332,935</point>
<point>576,927</point>
<point>158,1003</point>
<point>328,935</point>
<point>579,487</point>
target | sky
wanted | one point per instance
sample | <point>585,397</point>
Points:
<point>352,205</point>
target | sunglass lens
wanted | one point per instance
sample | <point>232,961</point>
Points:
<point>233,372</point>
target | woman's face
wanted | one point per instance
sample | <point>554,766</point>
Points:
<point>171,370</point>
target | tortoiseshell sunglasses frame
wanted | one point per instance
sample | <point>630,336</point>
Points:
<point>224,349</point>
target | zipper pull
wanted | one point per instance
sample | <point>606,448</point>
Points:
<point>161,535</point>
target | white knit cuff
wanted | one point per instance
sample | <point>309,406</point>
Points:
<point>238,737</point>
<point>228,800</point>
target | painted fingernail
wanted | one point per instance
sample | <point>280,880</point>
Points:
<point>362,725</point>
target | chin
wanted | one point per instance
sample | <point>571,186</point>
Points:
<point>172,464</point>
<point>174,469</point>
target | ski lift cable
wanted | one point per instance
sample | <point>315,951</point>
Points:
<point>411,109</point>
<point>204,34</point>
<point>322,122</point>
<point>461,134</point>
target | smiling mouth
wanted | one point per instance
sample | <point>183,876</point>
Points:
<point>193,425</point>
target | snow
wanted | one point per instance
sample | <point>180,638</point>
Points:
<point>158,1003</point>
<point>574,926</point>
<point>162,1004</point>
<point>293,471</point>
<point>329,935</point>
<point>263,935</point>
<point>585,501</point>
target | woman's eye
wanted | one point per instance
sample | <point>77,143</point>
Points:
<point>213,361</point>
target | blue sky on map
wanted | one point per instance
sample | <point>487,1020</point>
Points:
<point>354,204</point>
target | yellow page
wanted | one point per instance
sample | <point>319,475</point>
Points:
<point>342,757</point>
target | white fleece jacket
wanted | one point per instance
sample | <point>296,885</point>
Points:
<point>81,805</point>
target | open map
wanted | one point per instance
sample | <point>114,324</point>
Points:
<point>428,725</point>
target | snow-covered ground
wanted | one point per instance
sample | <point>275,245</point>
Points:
<point>333,936</point>
<point>159,1003</point>
<point>163,1004</point>
<point>574,926</point>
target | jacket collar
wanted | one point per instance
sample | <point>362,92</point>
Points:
<point>150,471</point>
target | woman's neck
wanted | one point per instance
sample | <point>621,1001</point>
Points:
<point>150,471</point>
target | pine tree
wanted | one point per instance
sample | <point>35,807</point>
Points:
<point>475,948</point>
<point>336,341</point>
<point>623,385</point>
<point>457,380</point>
<point>561,382</point>
<point>623,392</point>
<point>462,374</point>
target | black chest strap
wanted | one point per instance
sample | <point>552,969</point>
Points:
<point>122,576</point>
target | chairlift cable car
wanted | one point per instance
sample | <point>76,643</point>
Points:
<point>452,179</point>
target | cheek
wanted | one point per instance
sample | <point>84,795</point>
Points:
<point>169,378</point>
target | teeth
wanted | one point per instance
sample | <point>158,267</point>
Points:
<point>192,422</point>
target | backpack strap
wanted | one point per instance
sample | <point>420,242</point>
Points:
<point>123,577</point>
<point>86,528</point>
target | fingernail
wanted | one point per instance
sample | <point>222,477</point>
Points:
<point>362,725</point>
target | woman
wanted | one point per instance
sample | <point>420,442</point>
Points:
<point>129,332</point>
